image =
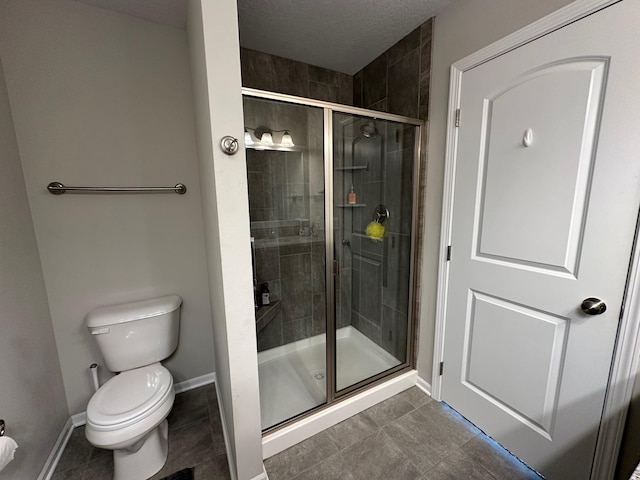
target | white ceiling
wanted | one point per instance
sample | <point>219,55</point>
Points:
<point>342,35</point>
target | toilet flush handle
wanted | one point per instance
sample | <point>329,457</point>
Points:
<point>100,331</point>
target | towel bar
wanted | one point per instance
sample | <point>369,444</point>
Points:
<point>57,188</point>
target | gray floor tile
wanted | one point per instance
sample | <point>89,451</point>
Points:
<point>446,425</point>
<point>215,469</point>
<point>499,462</point>
<point>100,468</point>
<point>377,457</point>
<point>459,466</point>
<point>423,445</point>
<point>98,453</point>
<point>189,407</point>
<point>389,410</point>
<point>430,434</point>
<point>415,397</point>
<point>190,445</point>
<point>400,439</point>
<point>352,430</point>
<point>214,413</point>
<point>211,393</point>
<point>77,452</point>
<point>333,468</point>
<point>72,473</point>
<point>293,461</point>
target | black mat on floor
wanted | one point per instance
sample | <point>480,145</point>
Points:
<point>186,474</point>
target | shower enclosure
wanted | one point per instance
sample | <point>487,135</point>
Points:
<point>332,203</point>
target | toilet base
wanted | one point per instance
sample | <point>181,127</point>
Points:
<point>145,461</point>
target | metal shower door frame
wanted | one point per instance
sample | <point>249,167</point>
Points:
<point>332,395</point>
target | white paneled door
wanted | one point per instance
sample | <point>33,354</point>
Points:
<point>546,196</point>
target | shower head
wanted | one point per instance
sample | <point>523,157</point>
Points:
<point>369,129</point>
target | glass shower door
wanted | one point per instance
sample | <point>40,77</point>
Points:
<point>374,163</point>
<point>285,173</point>
<point>333,289</point>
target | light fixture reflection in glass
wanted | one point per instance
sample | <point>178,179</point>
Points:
<point>286,141</point>
<point>247,137</point>
<point>262,138</point>
<point>266,139</point>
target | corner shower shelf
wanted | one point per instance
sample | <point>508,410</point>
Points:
<point>354,167</point>
<point>266,313</point>
<point>351,205</point>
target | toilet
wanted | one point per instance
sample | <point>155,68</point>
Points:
<point>128,414</point>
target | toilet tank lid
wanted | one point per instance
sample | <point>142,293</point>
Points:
<point>128,312</point>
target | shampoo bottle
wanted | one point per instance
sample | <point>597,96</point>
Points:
<point>351,198</point>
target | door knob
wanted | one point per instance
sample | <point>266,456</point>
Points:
<point>229,145</point>
<point>593,306</point>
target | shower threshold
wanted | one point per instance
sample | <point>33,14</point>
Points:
<point>292,376</point>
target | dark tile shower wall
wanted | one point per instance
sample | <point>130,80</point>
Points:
<point>398,80</point>
<point>395,82</point>
<point>292,264</point>
<point>286,208</point>
<point>276,74</point>
<point>380,269</point>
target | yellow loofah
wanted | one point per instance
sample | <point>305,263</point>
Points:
<point>375,231</point>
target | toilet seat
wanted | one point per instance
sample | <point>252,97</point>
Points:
<point>130,397</point>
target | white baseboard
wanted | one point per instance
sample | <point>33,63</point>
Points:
<point>80,419</point>
<point>280,440</point>
<point>225,432</point>
<point>261,476</point>
<point>57,451</point>
<point>424,386</point>
<point>196,382</point>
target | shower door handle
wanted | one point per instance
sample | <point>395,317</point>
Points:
<point>336,268</point>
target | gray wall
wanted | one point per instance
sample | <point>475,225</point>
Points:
<point>101,98</point>
<point>32,398</point>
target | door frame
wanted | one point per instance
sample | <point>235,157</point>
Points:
<point>626,358</point>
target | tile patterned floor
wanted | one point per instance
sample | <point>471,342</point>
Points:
<point>408,437</point>
<point>195,440</point>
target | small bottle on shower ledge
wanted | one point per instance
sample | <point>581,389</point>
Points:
<point>265,294</point>
<point>351,198</point>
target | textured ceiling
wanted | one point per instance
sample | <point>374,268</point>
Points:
<point>342,35</point>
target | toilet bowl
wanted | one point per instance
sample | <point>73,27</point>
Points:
<point>128,413</point>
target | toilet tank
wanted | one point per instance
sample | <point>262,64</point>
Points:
<point>132,335</point>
